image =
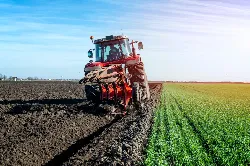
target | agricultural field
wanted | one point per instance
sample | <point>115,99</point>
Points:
<point>50,123</point>
<point>201,124</point>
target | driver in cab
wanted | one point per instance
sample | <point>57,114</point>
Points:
<point>113,53</point>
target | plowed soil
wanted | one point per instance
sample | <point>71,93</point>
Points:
<point>48,123</point>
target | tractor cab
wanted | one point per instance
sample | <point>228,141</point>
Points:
<point>112,48</point>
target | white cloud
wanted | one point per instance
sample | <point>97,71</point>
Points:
<point>194,39</point>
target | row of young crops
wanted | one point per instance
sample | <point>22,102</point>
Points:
<point>201,124</point>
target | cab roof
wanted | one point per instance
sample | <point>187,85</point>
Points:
<point>110,38</point>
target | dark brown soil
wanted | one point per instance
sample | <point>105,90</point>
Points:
<point>48,123</point>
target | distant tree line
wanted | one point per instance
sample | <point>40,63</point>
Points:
<point>3,77</point>
<point>9,78</point>
<point>14,78</point>
<point>33,78</point>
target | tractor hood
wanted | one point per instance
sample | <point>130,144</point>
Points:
<point>93,64</point>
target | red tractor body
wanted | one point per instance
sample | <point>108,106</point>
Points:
<point>117,77</point>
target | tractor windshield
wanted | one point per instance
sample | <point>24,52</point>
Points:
<point>112,50</point>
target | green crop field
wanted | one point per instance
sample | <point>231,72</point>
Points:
<point>201,124</point>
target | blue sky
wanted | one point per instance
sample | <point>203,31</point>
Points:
<point>184,40</point>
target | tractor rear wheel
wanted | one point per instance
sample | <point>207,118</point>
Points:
<point>139,75</point>
<point>136,95</point>
<point>147,88</point>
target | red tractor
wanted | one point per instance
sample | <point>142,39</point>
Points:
<point>116,78</point>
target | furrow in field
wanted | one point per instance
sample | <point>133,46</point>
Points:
<point>122,143</point>
<point>49,123</point>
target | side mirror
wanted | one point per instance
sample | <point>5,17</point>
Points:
<point>90,54</point>
<point>92,38</point>
<point>140,46</point>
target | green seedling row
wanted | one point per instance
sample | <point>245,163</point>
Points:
<point>201,124</point>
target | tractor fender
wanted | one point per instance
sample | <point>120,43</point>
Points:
<point>132,62</point>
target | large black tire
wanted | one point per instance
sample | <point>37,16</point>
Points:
<point>136,92</point>
<point>93,93</point>
<point>147,88</point>
<point>138,75</point>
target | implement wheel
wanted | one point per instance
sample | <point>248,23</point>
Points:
<point>93,93</point>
